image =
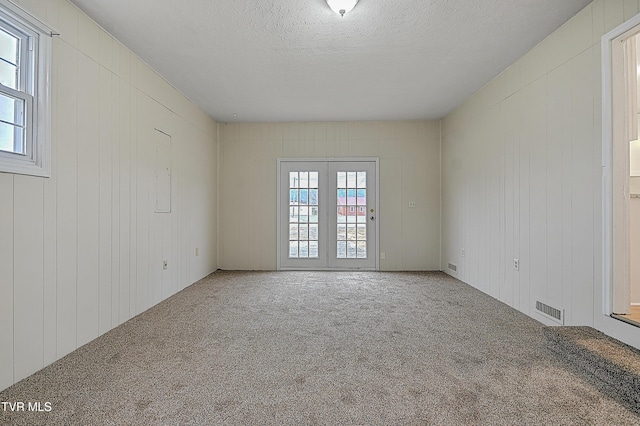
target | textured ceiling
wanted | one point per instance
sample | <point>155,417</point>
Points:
<point>283,60</point>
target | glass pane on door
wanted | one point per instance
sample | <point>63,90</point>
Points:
<point>303,214</point>
<point>327,217</point>
<point>351,204</point>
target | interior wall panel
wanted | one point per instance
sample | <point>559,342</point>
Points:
<point>80,242</point>
<point>28,274</point>
<point>6,280</point>
<point>409,237</point>
<point>50,283</point>
<point>544,199</point>
<point>67,226</point>
<point>124,194</point>
<point>88,199</point>
<point>105,200</point>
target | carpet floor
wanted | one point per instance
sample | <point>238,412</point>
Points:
<point>335,348</point>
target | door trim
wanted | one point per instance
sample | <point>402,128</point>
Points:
<point>280,161</point>
<point>615,255</point>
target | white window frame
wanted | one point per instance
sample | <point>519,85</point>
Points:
<point>36,91</point>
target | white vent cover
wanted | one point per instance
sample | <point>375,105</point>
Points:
<point>453,267</point>
<point>550,312</point>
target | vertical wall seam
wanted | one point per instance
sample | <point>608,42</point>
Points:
<point>440,195</point>
<point>44,247</point>
<point>77,187</point>
<point>218,166</point>
<point>13,279</point>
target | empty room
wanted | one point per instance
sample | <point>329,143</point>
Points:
<point>169,248</point>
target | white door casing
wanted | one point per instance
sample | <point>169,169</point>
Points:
<point>618,127</point>
<point>327,214</point>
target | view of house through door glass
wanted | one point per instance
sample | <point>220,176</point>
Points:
<point>327,215</point>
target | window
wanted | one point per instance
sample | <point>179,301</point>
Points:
<point>25,46</point>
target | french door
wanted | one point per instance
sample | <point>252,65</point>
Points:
<point>327,214</point>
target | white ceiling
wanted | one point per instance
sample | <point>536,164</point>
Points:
<point>283,60</point>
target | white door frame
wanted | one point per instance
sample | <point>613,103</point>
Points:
<point>375,160</point>
<point>616,125</point>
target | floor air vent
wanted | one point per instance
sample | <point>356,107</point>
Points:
<point>552,313</point>
<point>453,267</point>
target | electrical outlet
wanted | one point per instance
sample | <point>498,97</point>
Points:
<point>197,251</point>
<point>516,264</point>
<point>462,252</point>
<point>412,204</point>
<point>383,255</point>
<point>165,265</point>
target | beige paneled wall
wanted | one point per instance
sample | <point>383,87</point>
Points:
<point>522,176</point>
<point>81,252</point>
<point>409,155</point>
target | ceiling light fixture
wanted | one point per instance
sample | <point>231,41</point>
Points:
<point>342,6</point>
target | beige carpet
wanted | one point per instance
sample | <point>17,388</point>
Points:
<point>319,348</point>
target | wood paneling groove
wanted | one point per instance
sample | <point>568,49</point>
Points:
<point>77,250</point>
<point>550,182</point>
<point>6,280</point>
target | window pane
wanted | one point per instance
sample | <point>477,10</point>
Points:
<point>362,232</point>
<point>313,232</point>
<point>293,179</point>
<point>351,179</point>
<point>304,249</point>
<point>313,218</point>
<point>362,179</point>
<point>351,232</point>
<point>351,249</point>
<point>9,75</point>
<point>342,232</point>
<point>303,233</point>
<point>304,196</point>
<point>351,214</point>
<point>362,197</point>
<point>12,138</point>
<point>342,214</point>
<point>342,197</point>
<point>351,197</point>
<point>342,249</point>
<point>293,249</point>
<point>342,179</point>
<point>313,197</point>
<point>361,251</point>
<point>313,179</point>
<point>9,47</point>
<point>304,214</point>
<point>293,214</point>
<point>313,249</point>
<point>304,179</point>
<point>293,196</point>
<point>11,110</point>
<point>293,232</point>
